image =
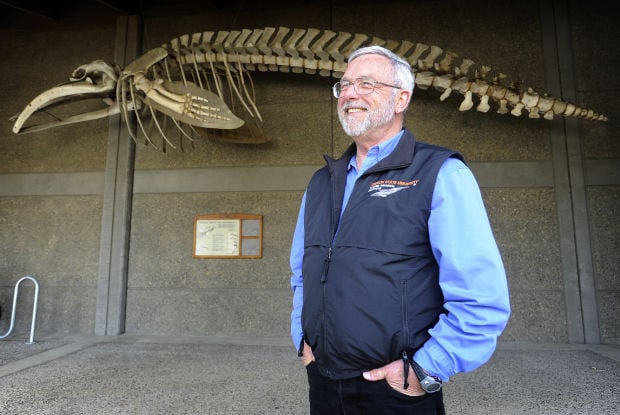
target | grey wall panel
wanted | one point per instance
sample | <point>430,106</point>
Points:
<point>56,240</point>
<point>604,208</point>
<point>208,296</point>
<point>51,184</point>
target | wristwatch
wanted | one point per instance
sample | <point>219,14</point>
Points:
<point>429,383</point>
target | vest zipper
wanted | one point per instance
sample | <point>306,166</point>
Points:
<point>323,287</point>
<point>403,298</point>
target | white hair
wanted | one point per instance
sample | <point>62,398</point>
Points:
<point>403,75</point>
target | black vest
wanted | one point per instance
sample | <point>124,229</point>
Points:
<point>371,290</point>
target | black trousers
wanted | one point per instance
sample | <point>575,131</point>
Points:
<point>358,396</point>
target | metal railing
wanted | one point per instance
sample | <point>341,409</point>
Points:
<point>34,309</point>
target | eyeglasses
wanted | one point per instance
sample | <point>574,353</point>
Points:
<point>362,86</point>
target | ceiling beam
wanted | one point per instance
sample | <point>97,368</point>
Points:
<point>220,4</point>
<point>49,9</point>
<point>122,6</point>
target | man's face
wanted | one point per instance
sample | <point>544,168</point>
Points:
<point>359,114</point>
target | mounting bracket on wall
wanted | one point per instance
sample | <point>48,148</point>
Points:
<point>228,235</point>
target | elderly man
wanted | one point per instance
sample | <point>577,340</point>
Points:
<point>397,280</point>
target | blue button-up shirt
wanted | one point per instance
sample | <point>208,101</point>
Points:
<point>471,272</point>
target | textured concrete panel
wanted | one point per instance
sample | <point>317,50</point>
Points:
<point>162,241</point>
<point>223,179</point>
<point>60,310</point>
<point>171,292</point>
<point>602,172</point>
<point>52,237</point>
<point>609,310</point>
<point>592,42</point>
<point>219,312</point>
<point>593,45</point>
<point>604,205</point>
<point>51,184</point>
<point>55,239</point>
<point>525,226</point>
<point>537,316</point>
<point>477,136</point>
<point>532,263</point>
<point>75,148</point>
<point>600,139</point>
<point>278,88</point>
<point>53,55</point>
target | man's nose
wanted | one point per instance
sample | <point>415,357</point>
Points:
<point>348,92</point>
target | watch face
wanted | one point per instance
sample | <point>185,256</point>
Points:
<point>430,385</point>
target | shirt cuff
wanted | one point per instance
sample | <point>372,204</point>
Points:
<point>434,360</point>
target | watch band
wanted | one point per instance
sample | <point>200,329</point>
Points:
<point>428,382</point>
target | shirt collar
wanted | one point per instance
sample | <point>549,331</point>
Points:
<point>377,153</point>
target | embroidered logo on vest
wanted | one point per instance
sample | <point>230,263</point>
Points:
<point>385,188</point>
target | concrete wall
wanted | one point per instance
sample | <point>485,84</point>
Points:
<point>50,192</point>
<point>551,188</point>
<point>600,149</point>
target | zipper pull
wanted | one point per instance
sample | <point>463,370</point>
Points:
<point>406,369</point>
<point>326,265</point>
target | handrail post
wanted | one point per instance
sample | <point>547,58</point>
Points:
<point>34,308</point>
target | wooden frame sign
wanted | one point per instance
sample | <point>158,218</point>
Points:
<point>228,235</point>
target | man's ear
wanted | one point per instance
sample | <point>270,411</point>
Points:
<point>402,101</point>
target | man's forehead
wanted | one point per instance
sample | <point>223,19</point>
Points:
<point>367,65</point>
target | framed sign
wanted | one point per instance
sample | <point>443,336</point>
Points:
<point>228,235</point>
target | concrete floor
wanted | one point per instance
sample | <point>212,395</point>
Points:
<point>207,375</point>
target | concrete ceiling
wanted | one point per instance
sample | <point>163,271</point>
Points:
<point>17,14</point>
<point>57,10</point>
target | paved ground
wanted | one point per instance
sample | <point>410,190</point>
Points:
<point>206,375</point>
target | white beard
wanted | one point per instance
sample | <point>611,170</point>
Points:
<point>373,118</point>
